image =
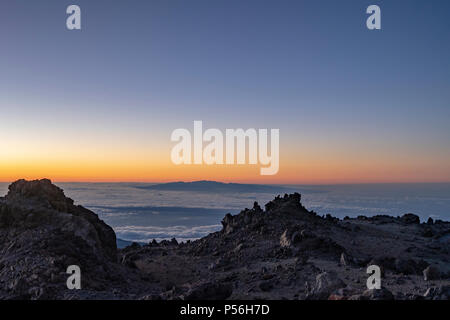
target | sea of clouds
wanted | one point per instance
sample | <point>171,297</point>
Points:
<point>139,214</point>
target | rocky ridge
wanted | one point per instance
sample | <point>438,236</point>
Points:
<point>282,251</point>
<point>42,232</point>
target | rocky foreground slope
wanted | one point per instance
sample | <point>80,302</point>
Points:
<point>282,251</point>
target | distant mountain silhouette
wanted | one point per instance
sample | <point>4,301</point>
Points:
<point>125,243</point>
<point>214,186</point>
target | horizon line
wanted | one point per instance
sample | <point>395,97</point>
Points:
<point>252,183</point>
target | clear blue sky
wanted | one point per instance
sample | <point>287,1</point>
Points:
<point>139,69</point>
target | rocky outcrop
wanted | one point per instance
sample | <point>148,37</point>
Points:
<point>286,251</point>
<point>42,232</point>
<point>431,273</point>
<point>282,251</point>
<point>410,218</point>
<point>326,283</point>
<point>40,204</point>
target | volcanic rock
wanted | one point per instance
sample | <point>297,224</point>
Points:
<point>431,273</point>
<point>258,254</point>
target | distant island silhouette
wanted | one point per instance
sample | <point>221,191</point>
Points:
<point>214,186</point>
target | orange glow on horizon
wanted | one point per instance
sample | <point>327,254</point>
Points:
<point>123,162</point>
<point>302,173</point>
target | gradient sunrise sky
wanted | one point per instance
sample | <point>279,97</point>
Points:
<point>99,104</point>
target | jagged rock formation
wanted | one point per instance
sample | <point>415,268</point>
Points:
<point>42,233</point>
<point>41,204</point>
<point>283,251</point>
<point>288,252</point>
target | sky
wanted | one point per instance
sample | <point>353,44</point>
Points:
<point>99,104</point>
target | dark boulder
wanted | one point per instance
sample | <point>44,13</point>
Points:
<point>431,273</point>
<point>410,218</point>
